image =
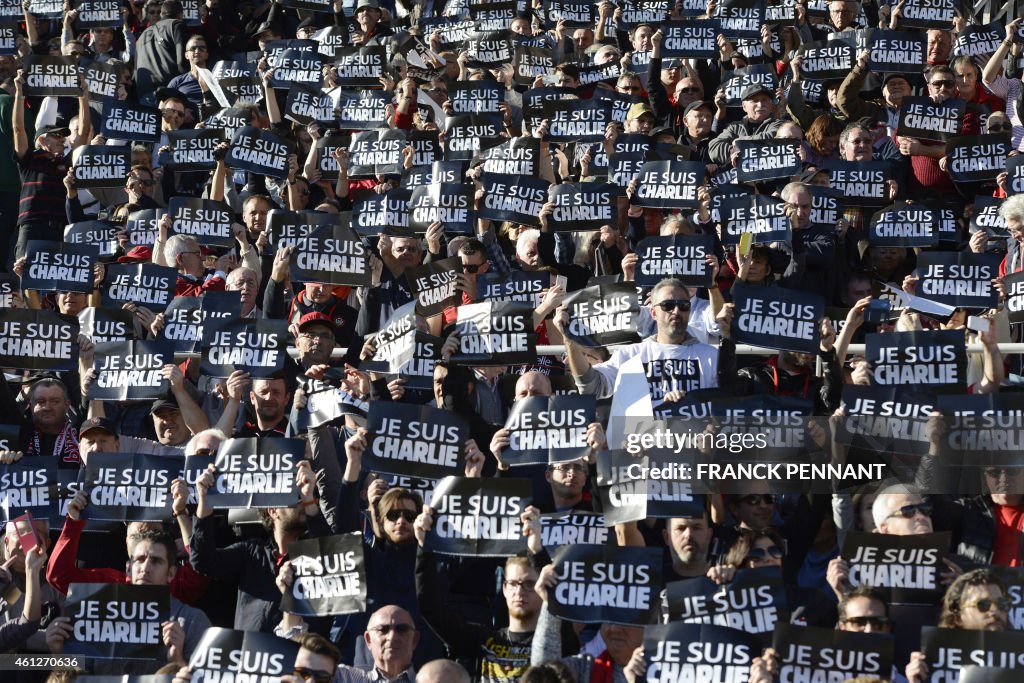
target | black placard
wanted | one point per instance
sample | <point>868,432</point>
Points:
<point>574,13</point>
<point>239,80</point>
<point>987,217</point>
<point>619,102</point>
<point>606,584</point>
<point>548,429</point>
<point>534,99</point>
<point>862,183</point>
<point>102,79</point>
<point>923,119</point>
<point>478,517</point>
<point>321,6</point>
<point>376,153</point>
<point>577,120</point>
<point>979,41</point>
<point>907,567</point>
<point>928,14</point>
<point>258,151</point>
<point>693,39</point>
<point>516,285</point>
<point>518,156</point>
<point>393,342</point>
<point>331,254</point>
<point>330,577</point>
<point>33,339</point>
<point>1015,175</point>
<point>826,205</point>
<point>434,284</point>
<point>563,528</point>
<point>652,12</point>
<point>698,652</point>
<point>117,621</point>
<point>591,74</point>
<point>305,105</point>
<point>106,324</point>
<point>669,184</point>
<point>753,602</point>
<point>782,13</point>
<point>530,62</point>
<point>496,333</point>
<point>933,358</point>
<point>101,166</point>
<point>977,158</point>
<point>476,97</point>
<point>741,18</point>
<point>450,203</point>
<point>581,206</point>
<point>254,346</point>
<point>467,135</point>
<point>99,14</point>
<point>603,315</point>
<point>826,60</point>
<point>867,422</point>
<point>287,227</point>
<point>232,120</point>
<point>767,160</point>
<point>224,654</point>
<point>903,224</point>
<point>518,199</point>
<point>784,319</point>
<point>331,39</point>
<point>419,441</point>
<point>363,110</point>
<point>374,212</point>
<point>811,653</point>
<point>129,487</point>
<point>1014,283</point>
<point>59,266</point>
<point>47,76</point>
<point>127,121</point>
<point>488,49</point>
<point>453,32</point>
<point>946,650</point>
<point>207,220</point>
<point>144,284</point>
<point>763,216</point>
<point>742,78</point>
<point>256,473</point>
<point>26,485</point>
<point>960,279</point>
<point>193,147</point>
<point>679,256</point>
<point>130,370</point>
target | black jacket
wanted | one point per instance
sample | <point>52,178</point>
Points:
<point>160,55</point>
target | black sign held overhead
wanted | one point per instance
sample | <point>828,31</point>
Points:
<point>330,577</point>
<point>575,14</point>
<point>194,147</point>
<point>255,346</point>
<point>517,285</point>
<point>679,256</point>
<point>489,49</point>
<point>117,621</point>
<point>143,226</point>
<point>826,60</point>
<point>434,284</point>
<point>767,160</point>
<point>669,184</point>
<point>518,199</point>
<point>99,14</point>
<point>928,14</point>
<point>453,31</point>
<point>478,517</point>
<point>426,145</point>
<point>548,429</point>
<point>333,255</point>
<point>785,319</point>
<point>581,206</point>
<point>258,151</point>
<point>496,333</point>
<point>476,97</point>
<point>618,101</point>
<point>145,284</point>
<point>101,166</point>
<point>564,528</point>
<point>530,62</point>
<point>923,119</point>
<point>38,340</point>
<point>907,568</point>
<point>761,215</point>
<point>47,76</point>
<point>986,217</point>
<point>469,134</point>
<point>450,203</point>
<point>741,79</point>
<point>361,111</point>
<point>126,121</point>
<point>781,13</point>
<point>321,6</point>
<point>932,358</point>
<point>240,81</point>
<point>652,12</point>
<point>862,183</point>
<point>979,41</point>
<point>26,485</point>
<point>393,343</point>
<point>1015,296</point>
<point>414,440</point>
<point>577,120</point>
<point>754,602</point>
<point>591,74</point>
<point>131,370</point>
<point>903,224</point>
<point>811,653</point>
<point>207,220</point>
<point>491,16</point>
<point>977,158</point>
<point>692,39</point>
<point>59,267</point>
<point>129,487</point>
<point>741,18</point>
<point>517,156</point>
<point>534,99</point>
<point>374,212</point>
<point>606,584</point>
<point>224,654</point>
<point>256,472</point>
<point>604,315</point>
<point>692,652</point>
<point>232,120</point>
<point>960,279</point>
<point>288,227</point>
<point>106,324</point>
<point>305,105</point>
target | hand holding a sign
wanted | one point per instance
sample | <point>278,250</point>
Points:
<point>530,519</point>
<point>203,484</point>
<point>173,636</point>
<point>499,442</point>
<point>57,631</point>
<point>838,576</point>
<point>305,480</point>
<point>828,335</point>
<point>355,445</point>
<point>474,460</point>
<point>423,524</point>
<point>8,457</point>
<point>765,668</point>
<point>917,667</point>
<point>77,504</point>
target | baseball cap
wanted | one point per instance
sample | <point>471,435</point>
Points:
<point>47,130</point>
<point>697,104</point>
<point>316,318</point>
<point>98,423</point>
<point>638,109</point>
<point>137,254</point>
<point>162,403</point>
<point>367,4</point>
<point>754,90</point>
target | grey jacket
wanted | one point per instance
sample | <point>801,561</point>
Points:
<point>720,148</point>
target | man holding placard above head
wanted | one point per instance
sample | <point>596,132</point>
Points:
<point>759,123</point>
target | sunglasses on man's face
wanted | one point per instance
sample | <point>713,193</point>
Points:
<point>908,511</point>
<point>876,623</point>
<point>942,84</point>
<point>755,499</point>
<point>407,515</point>
<point>983,605</point>
<point>999,127</point>
<point>471,267</point>
<point>772,551</point>
<point>672,304</point>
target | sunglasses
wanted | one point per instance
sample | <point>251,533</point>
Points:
<point>407,515</point>
<point>996,472</point>
<point>472,267</point>
<point>172,112</point>
<point>942,84</point>
<point>772,551</point>
<point>672,304</point>
<point>983,605</point>
<point>908,511</point>
<point>315,675</point>
<point>1000,127</point>
<point>864,622</point>
<point>690,89</point>
<point>754,499</point>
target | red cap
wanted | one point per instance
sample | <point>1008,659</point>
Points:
<point>136,254</point>
<point>316,318</point>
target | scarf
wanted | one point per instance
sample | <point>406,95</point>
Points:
<point>65,448</point>
<point>603,669</point>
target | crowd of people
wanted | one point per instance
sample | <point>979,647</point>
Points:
<point>434,617</point>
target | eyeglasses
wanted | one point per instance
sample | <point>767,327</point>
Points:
<point>172,112</point>
<point>567,467</point>
<point>999,127</point>
<point>942,84</point>
<point>472,267</point>
<point>864,622</point>
<point>672,304</point>
<point>983,605</point>
<point>772,551</point>
<point>407,515</point>
<point>908,511</point>
<point>996,472</point>
<point>688,89</point>
<point>315,675</point>
<point>755,499</point>
<point>399,629</point>
<point>519,585</point>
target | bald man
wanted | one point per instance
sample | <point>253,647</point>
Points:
<point>442,671</point>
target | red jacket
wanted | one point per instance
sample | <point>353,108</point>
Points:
<point>210,282</point>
